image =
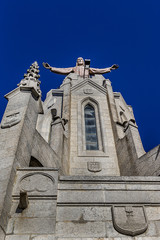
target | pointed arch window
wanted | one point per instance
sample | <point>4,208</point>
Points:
<point>90,128</point>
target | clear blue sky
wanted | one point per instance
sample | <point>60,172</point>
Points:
<point>123,32</point>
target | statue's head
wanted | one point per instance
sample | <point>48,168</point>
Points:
<point>80,61</point>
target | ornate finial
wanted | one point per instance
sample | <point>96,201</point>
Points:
<point>31,78</point>
<point>33,71</point>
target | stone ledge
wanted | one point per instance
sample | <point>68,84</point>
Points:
<point>37,169</point>
<point>148,179</point>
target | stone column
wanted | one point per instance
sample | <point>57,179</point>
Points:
<point>112,107</point>
<point>134,140</point>
<point>129,150</point>
<point>16,135</point>
<point>56,137</point>
<point>66,86</point>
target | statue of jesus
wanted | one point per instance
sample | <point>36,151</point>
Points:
<point>79,69</point>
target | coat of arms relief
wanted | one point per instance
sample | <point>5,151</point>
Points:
<point>129,220</point>
<point>11,120</point>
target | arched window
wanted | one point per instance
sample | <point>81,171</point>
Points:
<point>90,128</point>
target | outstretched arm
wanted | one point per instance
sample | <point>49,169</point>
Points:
<point>103,70</point>
<point>58,70</point>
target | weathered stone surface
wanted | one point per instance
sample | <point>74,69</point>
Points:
<point>81,197</point>
<point>146,238</point>
<point>43,237</point>
<point>151,231</point>
<point>153,213</point>
<point>43,152</point>
<point>37,208</point>
<point>17,237</point>
<point>34,225</point>
<point>119,238</point>
<point>76,206</point>
<point>2,234</point>
<point>86,229</point>
<point>148,164</point>
<point>36,181</point>
<point>111,232</point>
<point>89,213</point>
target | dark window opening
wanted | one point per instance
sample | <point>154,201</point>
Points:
<point>34,163</point>
<point>90,128</point>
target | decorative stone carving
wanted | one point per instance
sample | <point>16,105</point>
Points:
<point>126,124</point>
<point>31,79</point>
<point>36,182</point>
<point>94,166</point>
<point>88,91</point>
<point>57,119</point>
<point>11,120</point>
<point>129,220</point>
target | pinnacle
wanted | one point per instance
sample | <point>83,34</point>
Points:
<point>35,64</point>
<point>33,71</point>
<point>31,78</point>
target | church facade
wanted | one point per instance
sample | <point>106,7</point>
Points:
<point>73,167</point>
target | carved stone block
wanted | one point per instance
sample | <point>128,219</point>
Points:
<point>11,120</point>
<point>94,166</point>
<point>129,220</point>
<point>88,90</point>
<point>36,182</point>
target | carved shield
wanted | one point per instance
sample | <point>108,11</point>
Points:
<point>129,220</point>
<point>88,90</point>
<point>11,120</point>
<point>94,166</point>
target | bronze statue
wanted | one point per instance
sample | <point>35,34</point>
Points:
<point>79,69</point>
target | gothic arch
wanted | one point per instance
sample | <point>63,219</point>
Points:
<point>91,138</point>
<point>92,102</point>
<point>89,100</point>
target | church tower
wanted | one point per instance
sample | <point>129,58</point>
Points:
<point>73,166</point>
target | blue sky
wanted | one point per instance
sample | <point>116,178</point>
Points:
<point>107,32</point>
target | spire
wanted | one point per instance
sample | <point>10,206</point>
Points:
<point>31,78</point>
<point>32,72</point>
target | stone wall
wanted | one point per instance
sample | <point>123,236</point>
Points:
<point>88,208</point>
<point>85,206</point>
<point>39,217</point>
<point>44,153</point>
<point>149,163</point>
<point>101,199</point>
<point>89,92</point>
<point>16,134</point>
